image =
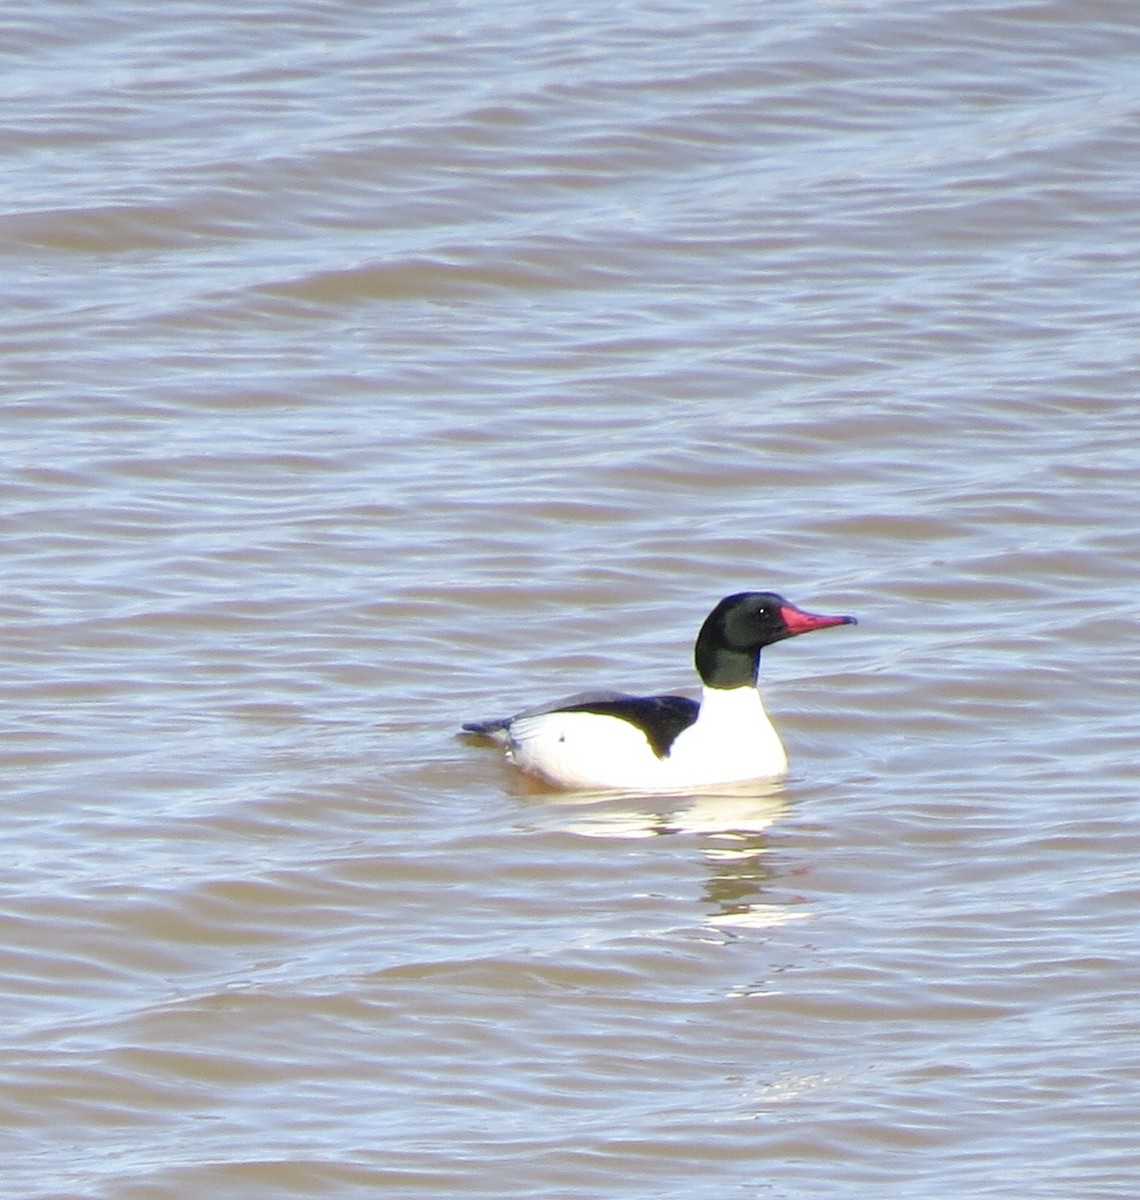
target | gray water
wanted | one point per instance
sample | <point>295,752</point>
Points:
<point>372,368</point>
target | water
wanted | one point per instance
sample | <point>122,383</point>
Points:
<point>372,370</point>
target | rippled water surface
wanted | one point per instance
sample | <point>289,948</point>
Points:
<point>369,369</point>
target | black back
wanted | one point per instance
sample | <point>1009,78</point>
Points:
<point>660,718</point>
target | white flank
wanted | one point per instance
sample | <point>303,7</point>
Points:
<point>732,740</point>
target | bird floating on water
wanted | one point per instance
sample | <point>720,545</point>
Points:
<point>611,740</point>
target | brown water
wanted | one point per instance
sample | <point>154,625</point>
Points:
<point>369,369</point>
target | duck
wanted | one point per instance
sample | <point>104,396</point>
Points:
<point>605,740</point>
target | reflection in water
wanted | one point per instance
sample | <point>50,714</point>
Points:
<point>731,812</point>
<point>737,875</point>
<point>731,826</point>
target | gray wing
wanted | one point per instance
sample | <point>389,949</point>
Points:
<point>497,727</point>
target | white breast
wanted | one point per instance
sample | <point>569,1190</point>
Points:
<point>731,740</point>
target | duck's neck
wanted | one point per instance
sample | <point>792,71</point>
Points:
<point>723,668</point>
<point>732,704</point>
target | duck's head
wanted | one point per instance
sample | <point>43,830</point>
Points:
<point>729,644</point>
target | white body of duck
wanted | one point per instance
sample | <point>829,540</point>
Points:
<point>731,739</point>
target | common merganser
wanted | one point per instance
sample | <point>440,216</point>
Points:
<point>610,740</point>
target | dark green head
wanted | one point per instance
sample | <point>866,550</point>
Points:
<point>729,644</point>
